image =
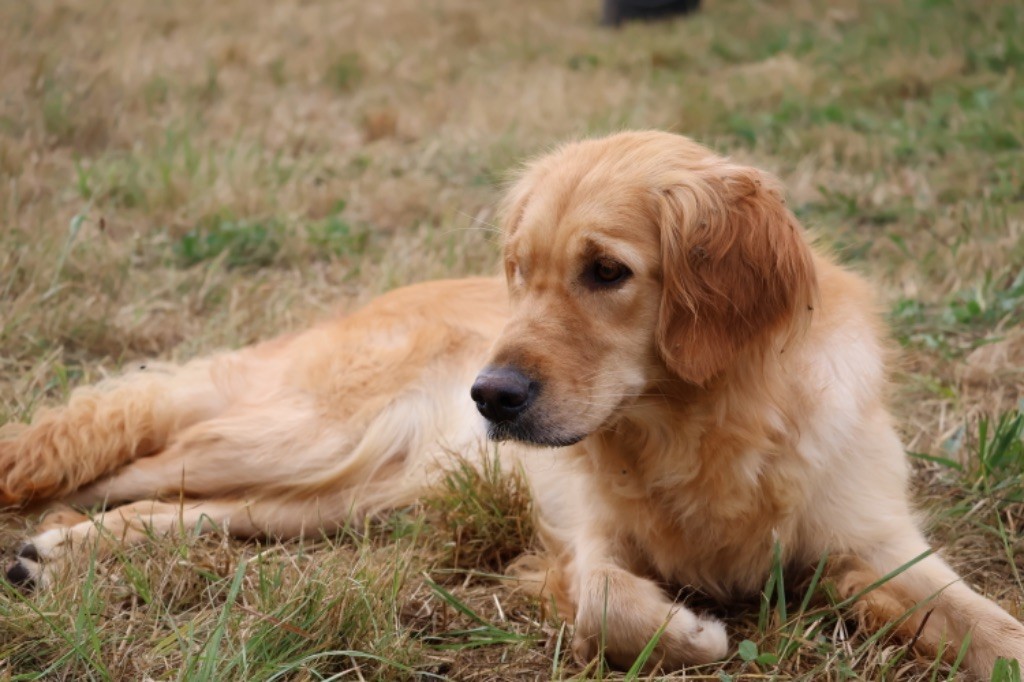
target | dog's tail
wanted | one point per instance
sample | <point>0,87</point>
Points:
<point>101,428</point>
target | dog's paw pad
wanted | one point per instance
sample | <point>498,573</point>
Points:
<point>27,570</point>
<point>36,559</point>
<point>19,576</point>
<point>28,551</point>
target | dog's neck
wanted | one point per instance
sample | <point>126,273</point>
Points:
<point>752,401</point>
<point>708,467</point>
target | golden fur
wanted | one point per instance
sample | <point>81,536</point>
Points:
<point>724,394</point>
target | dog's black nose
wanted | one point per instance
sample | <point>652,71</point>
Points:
<point>501,393</point>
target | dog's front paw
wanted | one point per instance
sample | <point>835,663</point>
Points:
<point>709,638</point>
<point>685,639</point>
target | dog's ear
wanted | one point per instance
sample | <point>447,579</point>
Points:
<point>511,210</point>
<point>513,203</point>
<point>736,268</point>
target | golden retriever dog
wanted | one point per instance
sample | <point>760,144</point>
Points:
<point>685,380</point>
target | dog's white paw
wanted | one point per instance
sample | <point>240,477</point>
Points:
<point>35,562</point>
<point>687,639</point>
<point>706,635</point>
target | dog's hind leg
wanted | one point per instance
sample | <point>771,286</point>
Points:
<point>59,540</point>
<point>102,427</point>
<point>67,536</point>
<point>276,446</point>
<point>287,447</point>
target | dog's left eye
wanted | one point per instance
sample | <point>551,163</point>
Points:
<point>607,272</point>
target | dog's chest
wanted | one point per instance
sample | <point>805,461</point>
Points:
<point>706,513</point>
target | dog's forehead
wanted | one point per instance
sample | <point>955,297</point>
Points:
<point>583,215</point>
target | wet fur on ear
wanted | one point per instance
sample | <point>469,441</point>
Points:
<point>736,268</point>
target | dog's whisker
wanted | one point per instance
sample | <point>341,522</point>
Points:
<point>481,223</point>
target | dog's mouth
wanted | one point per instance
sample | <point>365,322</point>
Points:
<point>524,432</point>
<point>511,400</point>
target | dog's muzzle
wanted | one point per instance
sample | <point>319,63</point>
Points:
<point>504,395</point>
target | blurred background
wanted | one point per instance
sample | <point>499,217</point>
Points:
<point>180,177</point>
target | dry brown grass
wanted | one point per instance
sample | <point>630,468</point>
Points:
<point>231,170</point>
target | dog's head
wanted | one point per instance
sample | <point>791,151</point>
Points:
<point>631,260</point>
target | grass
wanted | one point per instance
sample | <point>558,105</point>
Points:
<point>188,176</point>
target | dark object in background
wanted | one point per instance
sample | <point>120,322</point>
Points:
<point>617,11</point>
